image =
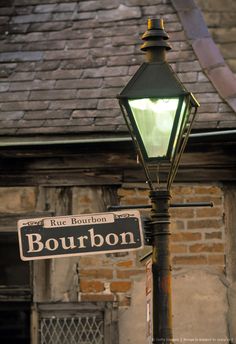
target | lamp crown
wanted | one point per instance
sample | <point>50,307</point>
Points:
<point>155,41</point>
<point>157,24</point>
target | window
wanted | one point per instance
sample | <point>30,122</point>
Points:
<point>14,272</point>
<point>15,322</point>
<point>15,294</point>
<point>78,323</point>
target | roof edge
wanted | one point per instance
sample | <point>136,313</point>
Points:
<point>60,140</point>
<point>207,52</point>
<point>65,140</point>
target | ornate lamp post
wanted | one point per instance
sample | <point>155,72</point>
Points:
<point>159,113</point>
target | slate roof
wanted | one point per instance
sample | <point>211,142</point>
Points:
<point>62,63</point>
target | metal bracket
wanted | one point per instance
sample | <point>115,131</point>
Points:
<point>149,206</point>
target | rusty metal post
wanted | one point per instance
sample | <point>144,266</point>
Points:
<point>161,267</point>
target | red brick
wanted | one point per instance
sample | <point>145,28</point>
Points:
<point>179,248</point>
<point>182,190</point>
<point>186,236</point>
<point>208,223</point>
<point>126,192</point>
<point>135,200</point>
<point>213,235</point>
<point>218,259</point>
<point>209,212</point>
<point>190,260</point>
<point>97,297</point>
<point>120,286</point>
<point>182,212</point>
<point>91,286</point>
<point>125,264</point>
<point>90,261</point>
<point>128,273</point>
<point>206,248</point>
<point>143,193</point>
<point>215,200</point>
<point>177,225</point>
<point>97,273</point>
<point>206,190</point>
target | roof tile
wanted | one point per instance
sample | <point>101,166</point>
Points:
<point>207,52</point>
<point>52,94</point>
<point>78,83</point>
<point>108,104</point>
<point>11,115</point>
<point>64,61</point>
<point>14,96</point>
<point>21,56</point>
<point>87,6</point>
<point>25,105</point>
<point>224,81</point>
<point>35,85</point>
<point>30,18</point>
<point>121,13</point>
<point>226,124</point>
<point>74,104</point>
<point>48,114</point>
<point>66,122</point>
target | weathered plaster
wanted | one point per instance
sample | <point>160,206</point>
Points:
<point>230,222</point>
<point>132,320</point>
<point>199,306</point>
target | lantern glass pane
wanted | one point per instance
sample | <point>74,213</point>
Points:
<point>181,124</point>
<point>154,119</point>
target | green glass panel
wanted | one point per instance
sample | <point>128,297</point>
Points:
<point>181,124</point>
<point>154,119</point>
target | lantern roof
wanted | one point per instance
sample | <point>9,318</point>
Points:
<point>155,80</point>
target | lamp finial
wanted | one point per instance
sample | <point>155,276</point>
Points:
<point>155,41</point>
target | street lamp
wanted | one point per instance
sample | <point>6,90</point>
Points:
<point>156,106</point>
<point>159,113</point>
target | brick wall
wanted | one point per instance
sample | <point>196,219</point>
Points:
<point>103,277</point>
<point>197,233</point>
<point>198,240</point>
<point>108,277</point>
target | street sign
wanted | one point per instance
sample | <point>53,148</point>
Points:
<point>65,236</point>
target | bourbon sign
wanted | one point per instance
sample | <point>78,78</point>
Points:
<point>65,236</point>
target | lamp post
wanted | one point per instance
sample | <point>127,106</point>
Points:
<point>159,113</point>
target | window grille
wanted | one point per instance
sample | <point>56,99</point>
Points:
<point>72,330</point>
<point>77,323</point>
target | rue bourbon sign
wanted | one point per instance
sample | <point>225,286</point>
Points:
<point>65,236</point>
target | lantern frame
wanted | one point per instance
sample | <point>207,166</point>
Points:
<point>156,79</point>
